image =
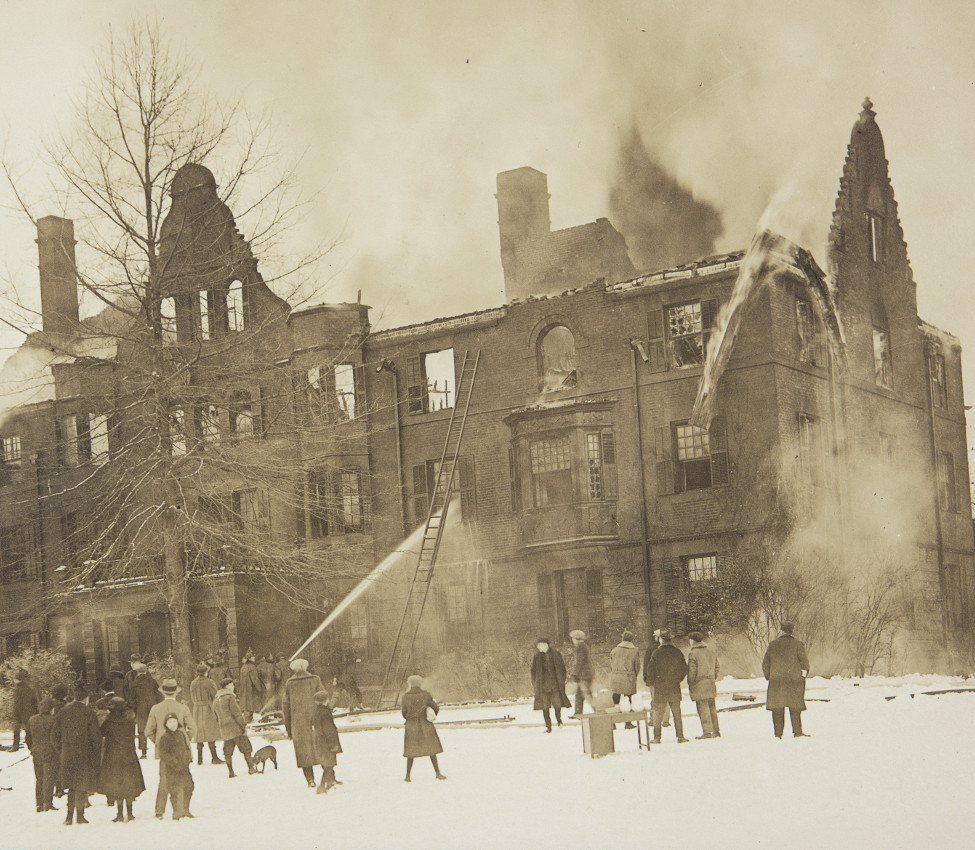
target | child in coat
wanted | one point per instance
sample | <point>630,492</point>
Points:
<point>326,739</point>
<point>175,780</point>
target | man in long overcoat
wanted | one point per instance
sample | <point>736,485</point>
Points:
<point>548,682</point>
<point>168,704</point>
<point>77,739</point>
<point>268,674</point>
<point>120,775</point>
<point>298,706</point>
<point>26,701</point>
<point>703,669</point>
<point>583,671</point>
<point>143,695</point>
<point>667,670</point>
<point>786,666</point>
<point>251,689</point>
<point>202,691</point>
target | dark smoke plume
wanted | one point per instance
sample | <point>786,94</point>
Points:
<point>661,221</point>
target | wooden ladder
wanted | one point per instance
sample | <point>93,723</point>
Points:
<point>394,681</point>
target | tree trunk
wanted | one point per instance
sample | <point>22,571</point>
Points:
<point>177,592</point>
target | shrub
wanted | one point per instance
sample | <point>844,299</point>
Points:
<point>47,668</point>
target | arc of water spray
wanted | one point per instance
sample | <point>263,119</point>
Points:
<point>410,546</point>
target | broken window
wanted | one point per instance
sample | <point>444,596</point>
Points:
<point>250,509</point>
<point>10,451</point>
<point>939,388</point>
<point>557,359</point>
<point>235,306</point>
<point>551,467</point>
<point>167,316</point>
<point>601,465</point>
<point>430,381</point>
<point>875,237</point>
<point>425,482</point>
<point>700,568</point>
<point>336,392</point>
<point>812,347</point>
<point>947,495</point>
<point>177,432</point>
<point>882,364</point>
<point>689,327</point>
<point>206,315</point>
<point>98,438</point>
<point>241,415</point>
<point>345,390</point>
<point>813,465</point>
<point>209,423</point>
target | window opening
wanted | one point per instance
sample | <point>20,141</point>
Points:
<point>811,338</point>
<point>351,494</point>
<point>947,495</point>
<point>235,306</point>
<point>882,365</point>
<point>10,450</point>
<point>241,415</point>
<point>551,467</point>
<point>206,317</point>
<point>939,388</point>
<point>875,237</point>
<point>698,568</point>
<point>98,438</point>
<point>167,316</point>
<point>431,381</point>
<point>345,390</point>
<point>693,456</point>
<point>251,509</point>
<point>557,352</point>
<point>689,327</point>
<point>177,432</point>
<point>210,424</point>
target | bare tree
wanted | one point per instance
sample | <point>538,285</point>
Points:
<point>194,424</point>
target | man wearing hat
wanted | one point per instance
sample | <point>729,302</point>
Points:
<point>202,691</point>
<point>169,705</point>
<point>156,730</point>
<point>298,706</point>
<point>130,674</point>
<point>667,670</point>
<point>143,695</point>
<point>786,666</point>
<point>582,672</point>
<point>233,726</point>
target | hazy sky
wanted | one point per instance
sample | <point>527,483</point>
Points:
<point>405,112</point>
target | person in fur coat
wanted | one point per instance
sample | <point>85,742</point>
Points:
<point>120,774</point>
<point>548,681</point>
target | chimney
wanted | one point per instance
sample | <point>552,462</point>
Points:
<point>522,216</point>
<point>58,276</point>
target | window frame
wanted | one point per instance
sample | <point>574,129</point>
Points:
<point>706,314</point>
<point>938,381</point>
<point>883,360</point>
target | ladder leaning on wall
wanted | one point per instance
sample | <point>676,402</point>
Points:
<point>396,671</point>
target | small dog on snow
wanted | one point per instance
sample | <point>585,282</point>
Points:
<point>265,755</point>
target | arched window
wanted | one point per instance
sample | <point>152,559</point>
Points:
<point>557,359</point>
<point>235,306</point>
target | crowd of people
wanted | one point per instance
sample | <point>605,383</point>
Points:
<point>80,749</point>
<point>665,668</point>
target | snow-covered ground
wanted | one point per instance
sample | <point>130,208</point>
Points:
<point>875,773</point>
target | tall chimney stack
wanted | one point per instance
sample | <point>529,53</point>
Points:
<point>523,216</point>
<point>58,275</point>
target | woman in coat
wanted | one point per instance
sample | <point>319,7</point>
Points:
<point>120,775</point>
<point>202,691</point>
<point>298,706</point>
<point>77,741</point>
<point>251,689</point>
<point>548,681</point>
<point>703,669</point>
<point>326,739</point>
<point>420,738</point>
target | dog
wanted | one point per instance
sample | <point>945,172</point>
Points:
<point>265,755</point>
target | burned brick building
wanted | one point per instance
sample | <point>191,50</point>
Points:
<point>585,496</point>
